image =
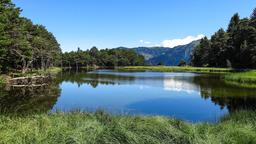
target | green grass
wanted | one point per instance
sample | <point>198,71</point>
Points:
<point>100,128</point>
<point>175,69</point>
<point>2,80</point>
<point>242,77</point>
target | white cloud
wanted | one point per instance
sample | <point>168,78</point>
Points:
<point>145,42</point>
<point>176,42</point>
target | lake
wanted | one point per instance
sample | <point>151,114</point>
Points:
<point>186,96</point>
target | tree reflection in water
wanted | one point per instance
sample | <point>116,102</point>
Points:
<point>233,97</point>
<point>26,100</point>
<point>43,99</point>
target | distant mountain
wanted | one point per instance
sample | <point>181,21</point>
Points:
<point>167,56</point>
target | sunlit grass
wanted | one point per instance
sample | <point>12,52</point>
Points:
<point>100,127</point>
<point>242,77</point>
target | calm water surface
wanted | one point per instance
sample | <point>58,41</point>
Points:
<point>187,96</point>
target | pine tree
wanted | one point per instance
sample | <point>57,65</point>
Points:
<point>253,16</point>
<point>9,20</point>
<point>218,51</point>
<point>22,43</point>
<point>200,56</point>
<point>233,23</point>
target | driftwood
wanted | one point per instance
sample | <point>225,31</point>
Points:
<point>30,81</point>
<point>33,85</point>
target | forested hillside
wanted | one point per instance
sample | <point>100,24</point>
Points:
<point>235,47</point>
<point>24,45</point>
<point>167,56</point>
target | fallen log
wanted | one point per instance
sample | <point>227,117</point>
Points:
<point>41,85</point>
<point>30,81</point>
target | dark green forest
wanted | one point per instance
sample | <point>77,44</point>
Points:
<point>103,58</point>
<point>25,46</point>
<point>234,47</point>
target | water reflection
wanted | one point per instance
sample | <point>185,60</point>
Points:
<point>186,96</point>
<point>24,100</point>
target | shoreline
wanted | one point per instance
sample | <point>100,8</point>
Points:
<point>7,78</point>
<point>237,77</point>
<point>245,78</point>
<point>175,69</point>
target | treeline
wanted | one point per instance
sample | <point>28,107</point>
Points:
<point>24,45</point>
<point>102,58</point>
<point>235,47</point>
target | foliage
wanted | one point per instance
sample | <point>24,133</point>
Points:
<point>2,81</point>
<point>235,47</point>
<point>24,45</point>
<point>253,16</point>
<point>182,63</point>
<point>103,58</point>
<point>100,127</point>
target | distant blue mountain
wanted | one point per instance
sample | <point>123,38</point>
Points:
<point>167,56</point>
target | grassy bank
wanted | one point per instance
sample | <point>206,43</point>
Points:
<point>102,128</point>
<point>175,69</point>
<point>242,77</point>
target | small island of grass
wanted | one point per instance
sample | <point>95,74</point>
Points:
<point>242,77</point>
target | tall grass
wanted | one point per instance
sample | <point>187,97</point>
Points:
<point>2,81</point>
<point>100,127</point>
<point>242,77</point>
<point>175,69</point>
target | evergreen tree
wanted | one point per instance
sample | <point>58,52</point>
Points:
<point>253,16</point>
<point>23,44</point>
<point>218,49</point>
<point>233,24</point>
<point>200,56</point>
<point>236,47</point>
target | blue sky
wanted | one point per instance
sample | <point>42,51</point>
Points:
<point>131,23</point>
